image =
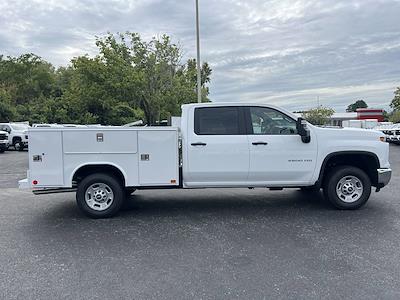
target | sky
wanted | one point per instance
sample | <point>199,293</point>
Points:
<point>292,53</point>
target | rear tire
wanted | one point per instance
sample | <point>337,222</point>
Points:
<point>100,196</point>
<point>347,187</point>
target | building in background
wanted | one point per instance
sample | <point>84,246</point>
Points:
<point>361,114</point>
<point>370,114</point>
<point>338,118</point>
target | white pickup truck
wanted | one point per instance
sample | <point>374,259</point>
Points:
<point>217,145</point>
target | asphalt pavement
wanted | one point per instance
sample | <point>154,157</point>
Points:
<point>201,244</point>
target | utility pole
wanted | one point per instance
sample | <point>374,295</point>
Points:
<point>198,53</point>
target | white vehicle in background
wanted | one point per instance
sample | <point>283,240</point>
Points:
<point>45,125</point>
<point>391,131</point>
<point>132,124</point>
<point>3,141</point>
<point>17,134</point>
<point>366,124</point>
<point>394,134</point>
<point>215,146</point>
<point>74,126</point>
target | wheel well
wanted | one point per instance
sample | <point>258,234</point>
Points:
<point>84,171</point>
<point>368,162</point>
<point>16,138</point>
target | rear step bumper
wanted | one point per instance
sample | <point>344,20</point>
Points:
<point>23,184</point>
<point>53,191</point>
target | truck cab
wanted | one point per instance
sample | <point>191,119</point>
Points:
<point>230,145</point>
<point>244,146</point>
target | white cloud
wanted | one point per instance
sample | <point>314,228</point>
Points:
<point>288,52</point>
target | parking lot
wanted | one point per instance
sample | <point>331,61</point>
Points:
<point>203,244</point>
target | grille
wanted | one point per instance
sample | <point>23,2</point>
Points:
<point>397,132</point>
<point>2,137</point>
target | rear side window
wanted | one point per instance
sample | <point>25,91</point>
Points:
<point>218,121</point>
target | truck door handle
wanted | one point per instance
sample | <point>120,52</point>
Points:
<point>198,144</point>
<point>260,143</point>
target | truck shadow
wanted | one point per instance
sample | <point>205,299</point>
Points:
<point>176,203</point>
<point>185,216</point>
<point>205,201</point>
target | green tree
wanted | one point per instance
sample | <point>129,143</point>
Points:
<point>7,111</point>
<point>319,115</point>
<point>396,100</point>
<point>26,83</point>
<point>129,79</point>
<point>386,116</point>
<point>130,72</point>
<point>395,116</point>
<point>358,104</point>
<point>26,78</point>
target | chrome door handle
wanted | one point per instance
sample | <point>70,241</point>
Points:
<point>198,144</point>
<point>260,143</point>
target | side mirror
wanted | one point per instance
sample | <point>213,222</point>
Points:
<point>302,130</point>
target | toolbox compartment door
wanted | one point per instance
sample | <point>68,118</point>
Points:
<point>158,158</point>
<point>45,158</point>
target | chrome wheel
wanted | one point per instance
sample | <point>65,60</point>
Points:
<point>99,196</point>
<point>17,146</point>
<point>349,189</point>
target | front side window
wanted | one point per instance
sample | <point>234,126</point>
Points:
<point>268,121</point>
<point>217,121</point>
<point>5,128</point>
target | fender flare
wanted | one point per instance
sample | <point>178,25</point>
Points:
<point>340,153</point>
<point>97,164</point>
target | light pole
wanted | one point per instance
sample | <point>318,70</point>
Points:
<point>198,53</point>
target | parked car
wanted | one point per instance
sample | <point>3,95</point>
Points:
<point>391,131</point>
<point>3,141</point>
<point>222,145</point>
<point>17,134</point>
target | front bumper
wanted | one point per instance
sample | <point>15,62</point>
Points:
<point>4,144</point>
<point>384,176</point>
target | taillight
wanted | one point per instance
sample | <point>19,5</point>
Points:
<point>35,182</point>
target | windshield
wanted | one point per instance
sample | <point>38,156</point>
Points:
<point>19,127</point>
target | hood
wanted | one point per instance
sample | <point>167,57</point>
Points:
<point>25,131</point>
<point>356,133</point>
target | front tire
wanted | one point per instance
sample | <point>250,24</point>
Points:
<point>18,145</point>
<point>347,187</point>
<point>21,147</point>
<point>100,196</point>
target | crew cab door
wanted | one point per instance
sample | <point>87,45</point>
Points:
<point>277,154</point>
<point>217,151</point>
